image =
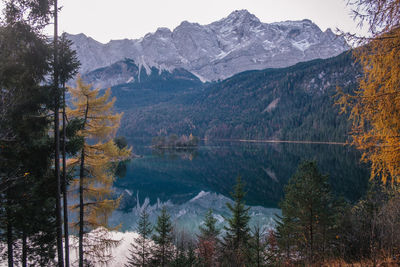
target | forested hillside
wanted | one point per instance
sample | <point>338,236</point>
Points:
<point>294,103</point>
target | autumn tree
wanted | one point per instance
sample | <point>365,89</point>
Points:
<point>95,168</point>
<point>375,106</point>
<point>380,16</point>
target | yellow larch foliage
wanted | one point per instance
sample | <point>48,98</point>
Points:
<point>375,107</point>
<point>98,156</point>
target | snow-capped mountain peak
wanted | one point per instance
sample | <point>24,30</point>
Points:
<point>218,50</point>
<point>241,16</point>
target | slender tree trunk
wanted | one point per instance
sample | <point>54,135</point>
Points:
<point>10,251</point>
<point>311,237</point>
<point>81,174</point>
<point>24,249</point>
<point>57,141</point>
<point>372,238</point>
<point>25,222</point>
<point>163,256</point>
<point>64,184</point>
<point>143,249</point>
<point>81,206</point>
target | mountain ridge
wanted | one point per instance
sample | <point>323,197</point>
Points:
<point>218,50</point>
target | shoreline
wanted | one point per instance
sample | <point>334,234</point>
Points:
<point>276,141</point>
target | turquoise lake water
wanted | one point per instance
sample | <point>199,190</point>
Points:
<point>189,182</point>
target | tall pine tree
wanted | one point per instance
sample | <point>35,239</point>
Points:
<point>307,215</point>
<point>237,230</point>
<point>140,252</point>
<point>24,145</point>
<point>163,249</point>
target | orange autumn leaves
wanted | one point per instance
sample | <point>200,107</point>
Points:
<point>375,106</point>
<point>101,154</point>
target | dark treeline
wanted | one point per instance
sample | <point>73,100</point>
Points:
<point>29,101</point>
<point>33,72</point>
<point>41,141</point>
<point>316,228</point>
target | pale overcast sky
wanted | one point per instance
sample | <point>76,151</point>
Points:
<point>106,20</point>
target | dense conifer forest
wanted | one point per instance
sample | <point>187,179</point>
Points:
<point>269,104</point>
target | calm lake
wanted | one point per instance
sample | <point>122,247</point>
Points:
<point>192,181</point>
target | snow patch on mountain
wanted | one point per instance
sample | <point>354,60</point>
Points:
<point>199,195</point>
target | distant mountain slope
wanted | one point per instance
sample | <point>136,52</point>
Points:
<point>218,50</point>
<point>128,72</point>
<point>294,103</point>
<point>137,88</point>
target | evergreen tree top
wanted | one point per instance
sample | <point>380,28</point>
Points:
<point>163,228</point>
<point>209,230</point>
<point>144,227</point>
<point>237,230</point>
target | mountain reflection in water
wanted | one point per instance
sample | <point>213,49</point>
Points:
<point>189,182</point>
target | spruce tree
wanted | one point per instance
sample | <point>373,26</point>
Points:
<point>140,252</point>
<point>307,213</point>
<point>209,230</point>
<point>26,198</point>
<point>237,231</point>
<point>163,249</point>
<point>23,74</point>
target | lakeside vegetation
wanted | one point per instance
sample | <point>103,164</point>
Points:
<point>172,141</point>
<point>316,228</point>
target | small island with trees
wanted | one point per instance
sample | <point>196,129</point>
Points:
<point>174,142</point>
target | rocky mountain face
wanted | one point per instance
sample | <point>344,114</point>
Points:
<point>128,72</point>
<point>218,50</point>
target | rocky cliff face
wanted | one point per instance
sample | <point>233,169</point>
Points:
<point>128,72</point>
<point>218,50</point>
